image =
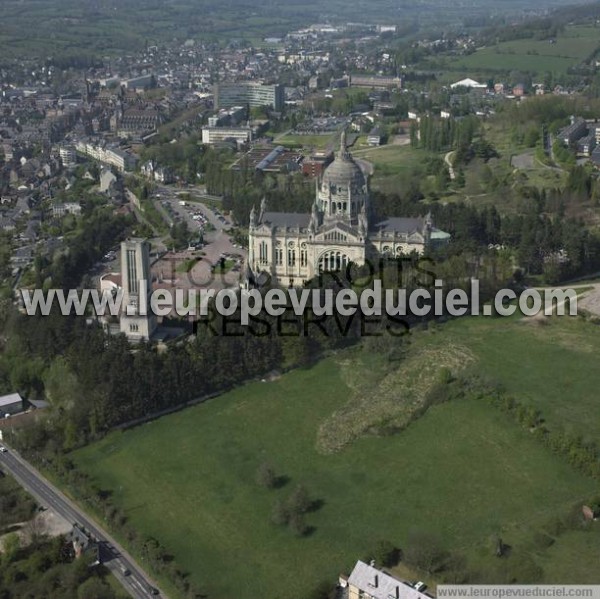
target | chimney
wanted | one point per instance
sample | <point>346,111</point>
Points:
<point>397,592</point>
<point>376,581</point>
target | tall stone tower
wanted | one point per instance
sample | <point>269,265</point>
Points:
<point>136,320</point>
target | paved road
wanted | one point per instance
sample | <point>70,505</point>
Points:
<point>171,195</point>
<point>281,135</point>
<point>588,300</point>
<point>449,165</point>
<point>114,557</point>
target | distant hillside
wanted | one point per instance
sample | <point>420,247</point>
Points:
<point>97,27</point>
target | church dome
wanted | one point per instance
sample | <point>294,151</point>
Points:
<point>344,172</point>
<point>343,192</point>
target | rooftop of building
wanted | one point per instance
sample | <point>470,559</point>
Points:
<point>400,225</point>
<point>10,399</point>
<point>268,159</point>
<point>293,220</point>
<point>381,585</point>
<point>574,126</point>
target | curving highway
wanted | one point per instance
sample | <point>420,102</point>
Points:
<point>113,556</point>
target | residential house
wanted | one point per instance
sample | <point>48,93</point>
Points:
<point>518,90</point>
<point>374,137</point>
<point>11,404</point>
<point>32,230</point>
<point>368,582</point>
<point>147,169</point>
<point>586,145</point>
<point>21,257</point>
<point>60,209</point>
<point>573,132</point>
<point>84,543</point>
<point>23,206</point>
<point>7,223</point>
<point>595,157</point>
<point>163,175</point>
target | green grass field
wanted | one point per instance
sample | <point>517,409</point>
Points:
<point>534,56</point>
<point>392,159</point>
<point>391,162</point>
<point>551,366</point>
<point>464,470</point>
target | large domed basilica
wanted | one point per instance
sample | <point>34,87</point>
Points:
<point>293,248</point>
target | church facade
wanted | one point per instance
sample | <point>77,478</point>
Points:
<point>292,248</point>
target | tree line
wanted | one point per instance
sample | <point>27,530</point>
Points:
<point>437,134</point>
<point>542,240</point>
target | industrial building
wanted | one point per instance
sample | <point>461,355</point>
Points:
<point>143,82</point>
<point>228,116</point>
<point>375,82</point>
<point>270,160</point>
<point>214,135</point>
<point>227,95</point>
<point>315,165</point>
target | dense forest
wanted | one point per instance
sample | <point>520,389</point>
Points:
<point>48,568</point>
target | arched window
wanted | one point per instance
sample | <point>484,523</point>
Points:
<point>263,253</point>
<point>335,236</point>
<point>291,257</point>
<point>333,261</point>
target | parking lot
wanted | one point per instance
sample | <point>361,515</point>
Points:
<point>219,262</point>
